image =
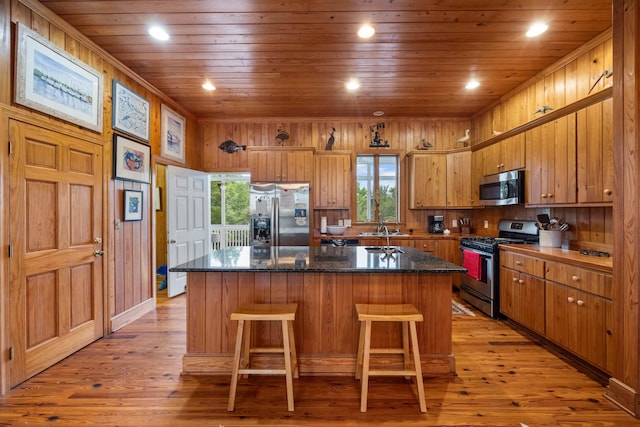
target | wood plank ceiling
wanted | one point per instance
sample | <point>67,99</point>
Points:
<point>291,58</point>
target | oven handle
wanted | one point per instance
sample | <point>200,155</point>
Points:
<point>482,253</point>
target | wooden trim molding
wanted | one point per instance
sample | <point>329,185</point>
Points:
<point>132,314</point>
<point>624,386</point>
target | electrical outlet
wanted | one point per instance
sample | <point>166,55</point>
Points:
<point>454,223</point>
<point>486,223</point>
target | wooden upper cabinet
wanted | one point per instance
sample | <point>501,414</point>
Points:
<point>333,180</point>
<point>281,164</point>
<point>427,180</point>
<point>551,162</point>
<point>595,153</point>
<point>503,156</point>
<point>459,189</point>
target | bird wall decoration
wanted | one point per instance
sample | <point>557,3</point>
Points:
<point>282,136</point>
<point>605,74</point>
<point>543,109</point>
<point>331,140</point>
<point>465,139</point>
<point>231,147</point>
<point>424,145</point>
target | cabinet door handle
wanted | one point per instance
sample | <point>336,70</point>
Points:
<point>543,196</point>
<point>518,262</point>
<point>570,299</point>
<point>575,278</point>
<point>580,303</point>
<point>521,281</point>
<point>607,192</point>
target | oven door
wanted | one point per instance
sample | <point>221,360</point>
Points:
<point>481,293</point>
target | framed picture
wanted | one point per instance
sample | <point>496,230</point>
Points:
<point>131,160</point>
<point>132,205</point>
<point>172,134</point>
<point>130,112</point>
<point>50,80</point>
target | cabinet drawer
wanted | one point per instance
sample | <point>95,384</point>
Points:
<point>523,263</point>
<point>584,279</point>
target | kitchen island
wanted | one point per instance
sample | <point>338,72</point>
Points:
<point>326,282</point>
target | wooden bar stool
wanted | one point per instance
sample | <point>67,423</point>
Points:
<point>408,315</point>
<point>286,314</point>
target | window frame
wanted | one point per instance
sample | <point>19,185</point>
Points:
<point>376,184</point>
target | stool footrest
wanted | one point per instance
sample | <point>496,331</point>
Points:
<point>262,371</point>
<point>392,372</point>
<point>387,350</point>
<point>267,350</point>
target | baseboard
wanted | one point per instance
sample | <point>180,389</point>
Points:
<point>624,396</point>
<point>132,314</point>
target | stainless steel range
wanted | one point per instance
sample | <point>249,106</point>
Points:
<point>480,255</point>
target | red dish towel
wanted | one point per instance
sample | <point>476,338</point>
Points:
<point>472,262</point>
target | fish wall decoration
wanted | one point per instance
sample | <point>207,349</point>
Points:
<point>230,146</point>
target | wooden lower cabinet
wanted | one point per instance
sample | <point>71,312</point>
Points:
<point>569,305</point>
<point>577,321</point>
<point>522,298</point>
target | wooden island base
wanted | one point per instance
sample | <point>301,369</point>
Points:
<point>326,325</point>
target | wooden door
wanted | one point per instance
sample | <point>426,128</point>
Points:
<point>56,266</point>
<point>428,174</point>
<point>551,162</point>
<point>595,153</point>
<point>459,179</point>
<point>333,181</point>
<point>512,153</point>
<point>297,165</point>
<point>265,165</point>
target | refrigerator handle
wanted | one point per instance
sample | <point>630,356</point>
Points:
<point>275,221</point>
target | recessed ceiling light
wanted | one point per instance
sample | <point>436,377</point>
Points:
<point>378,113</point>
<point>352,84</point>
<point>472,84</point>
<point>159,33</point>
<point>536,29</point>
<point>208,86</point>
<point>366,31</point>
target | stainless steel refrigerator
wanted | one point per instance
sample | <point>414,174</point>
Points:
<point>279,214</point>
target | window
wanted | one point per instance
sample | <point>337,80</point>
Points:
<point>229,198</point>
<point>377,188</point>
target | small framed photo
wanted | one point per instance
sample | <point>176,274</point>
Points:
<point>130,112</point>
<point>52,81</point>
<point>132,205</point>
<point>172,134</point>
<point>131,160</point>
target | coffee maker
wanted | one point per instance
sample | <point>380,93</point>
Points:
<point>436,223</point>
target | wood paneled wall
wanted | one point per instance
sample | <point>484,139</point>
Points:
<point>129,272</point>
<point>573,78</point>
<point>403,135</point>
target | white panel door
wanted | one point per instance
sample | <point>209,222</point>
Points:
<point>188,219</point>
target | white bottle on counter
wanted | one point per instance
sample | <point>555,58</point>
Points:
<point>323,225</point>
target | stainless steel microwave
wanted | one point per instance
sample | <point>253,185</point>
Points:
<point>502,189</point>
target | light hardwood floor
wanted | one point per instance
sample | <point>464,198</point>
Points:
<point>132,378</point>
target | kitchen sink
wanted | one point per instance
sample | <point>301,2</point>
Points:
<point>380,233</point>
<point>384,249</point>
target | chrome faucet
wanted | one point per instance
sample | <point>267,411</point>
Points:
<point>381,225</point>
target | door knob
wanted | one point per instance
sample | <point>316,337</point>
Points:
<point>97,240</point>
<point>172,241</point>
<point>98,252</point>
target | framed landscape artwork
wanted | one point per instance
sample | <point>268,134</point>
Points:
<point>132,205</point>
<point>131,160</point>
<point>172,134</point>
<point>130,112</point>
<point>50,80</point>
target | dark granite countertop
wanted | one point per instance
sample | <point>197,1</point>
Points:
<point>318,259</point>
